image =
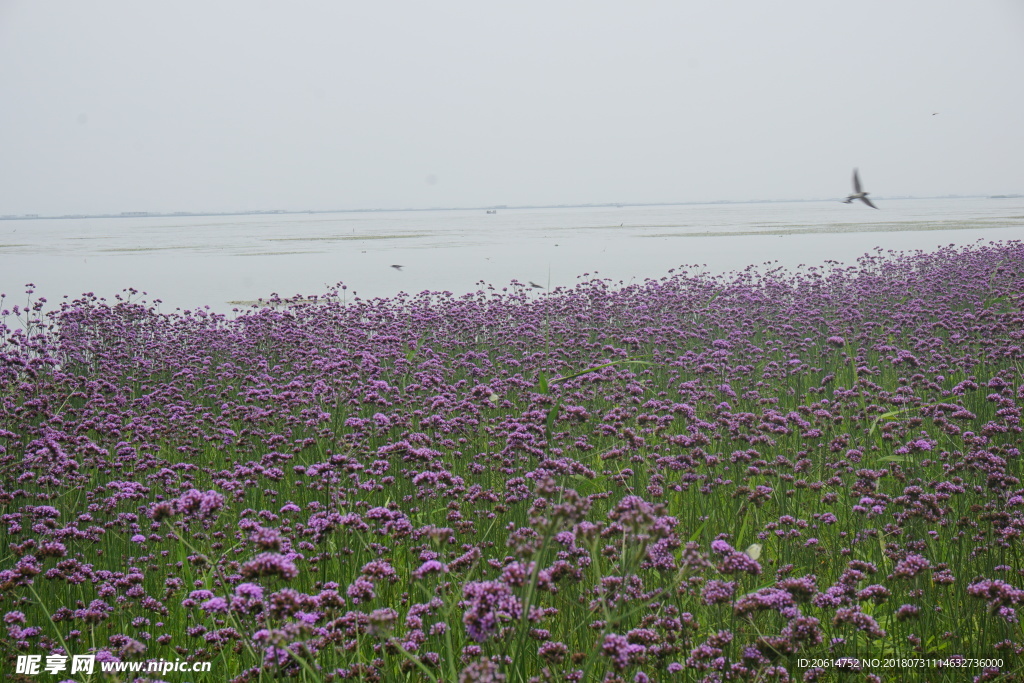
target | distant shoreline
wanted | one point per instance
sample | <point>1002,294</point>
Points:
<point>609,205</point>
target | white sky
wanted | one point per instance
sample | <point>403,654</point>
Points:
<point>121,105</point>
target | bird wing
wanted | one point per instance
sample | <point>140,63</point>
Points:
<point>868,202</point>
<point>856,182</point>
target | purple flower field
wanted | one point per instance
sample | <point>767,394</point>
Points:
<point>720,478</point>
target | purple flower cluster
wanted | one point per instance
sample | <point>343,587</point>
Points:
<point>488,605</point>
<point>733,561</point>
<point>332,484</point>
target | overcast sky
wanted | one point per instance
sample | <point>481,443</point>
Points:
<point>121,105</point>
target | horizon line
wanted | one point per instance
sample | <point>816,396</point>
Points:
<point>253,212</point>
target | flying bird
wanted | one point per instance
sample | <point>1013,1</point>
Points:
<point>535,285</point>
<point>398,267</point>
<point>858,193</point>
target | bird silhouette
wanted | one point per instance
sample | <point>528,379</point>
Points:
<point>535,285</point>
<point>858,193</point>
<point>396,267</point>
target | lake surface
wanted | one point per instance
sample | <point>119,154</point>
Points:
<point>195,261</point>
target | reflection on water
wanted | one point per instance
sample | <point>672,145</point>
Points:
<point>190,262</point>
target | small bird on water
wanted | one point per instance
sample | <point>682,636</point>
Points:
<point>858,193</point>
<point>398,267</point>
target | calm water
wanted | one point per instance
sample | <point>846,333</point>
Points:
<point>190,262</point>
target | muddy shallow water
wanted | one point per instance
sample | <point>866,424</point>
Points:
<point>194,261</point>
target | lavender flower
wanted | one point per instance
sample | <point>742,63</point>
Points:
<point>488,604</point>
<point>716,592</point>
<point>270,564</point>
